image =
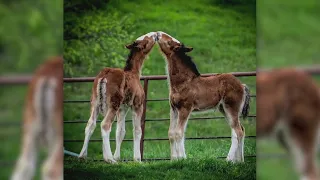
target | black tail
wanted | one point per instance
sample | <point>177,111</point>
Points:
<point>246,105</point>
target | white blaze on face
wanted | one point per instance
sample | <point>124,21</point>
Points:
<point>173,39</point>
<point>150,34</point>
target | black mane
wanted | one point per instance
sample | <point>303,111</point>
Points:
<point>129,65</point>
<point>187,60</point>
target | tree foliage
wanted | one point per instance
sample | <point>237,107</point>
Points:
<point>95,40</point>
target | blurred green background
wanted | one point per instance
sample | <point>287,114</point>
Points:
<point>223,35</point>
<point>287,35</point>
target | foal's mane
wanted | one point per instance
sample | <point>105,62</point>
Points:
<point>129,64</point>
<point>187,60</point>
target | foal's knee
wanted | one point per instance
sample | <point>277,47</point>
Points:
<point>171,135</point>
<point>178,135</point>
<point>137,131</point>
<point>105,127</point>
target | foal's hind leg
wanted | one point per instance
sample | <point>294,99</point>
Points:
<point>91,125</point>
<point>53,166</point>
<point>121,130</point>
<point>26,164</point>
<point>106,125</point>
<point>237,134</point>
<point>302,142</point>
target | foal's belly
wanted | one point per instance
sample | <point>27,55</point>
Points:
<point>205,106</point>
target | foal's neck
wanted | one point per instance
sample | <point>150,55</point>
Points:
<point>178,72</point>
<point>135,62</point>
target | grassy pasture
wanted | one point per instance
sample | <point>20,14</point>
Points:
<point>223,38</point>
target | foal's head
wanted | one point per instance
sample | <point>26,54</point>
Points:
<point>170,45</point>
<point>143,43</point>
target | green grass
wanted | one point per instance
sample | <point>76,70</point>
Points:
<point>185,169</point>
<point>223,38</point>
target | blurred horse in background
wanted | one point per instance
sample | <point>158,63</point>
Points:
<point>288,104</point>
<point>43,124</point>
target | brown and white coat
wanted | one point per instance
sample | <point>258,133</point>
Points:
<point>191,92</point>
<point>42,123</point>
<point>114,91</point>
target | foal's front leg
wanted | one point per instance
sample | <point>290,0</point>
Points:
<point>183,115</point>
<point>171,133</point>
<point>137,132</point>
<point>106,125</point>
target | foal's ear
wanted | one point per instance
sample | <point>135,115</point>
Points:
<point>187,49</point>
<point>182,48</point>
<point>130,46</point>
<point>137,45</point>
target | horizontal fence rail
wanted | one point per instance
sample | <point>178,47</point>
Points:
<point>160,119</point>
<point>148,100</point>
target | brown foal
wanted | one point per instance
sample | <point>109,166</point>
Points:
<point>114,91</point>
<point>288,104</point>
<point>42,123</point>
<point>191,92</point>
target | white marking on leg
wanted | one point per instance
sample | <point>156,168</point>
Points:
<point>121,130</point>
<point>234,146</point>
<point>26,164</point>
<point>296,151</point>
<point>183,151</point>
<point>137,132</point>
<point>91,125</point>
<point>53,165</point>
<point>179,143</point>
<point>171,133</point>
<point>180,138</point>
<point>105,133</point>
<point>240,155</point>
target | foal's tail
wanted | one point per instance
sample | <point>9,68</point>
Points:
<point>101,95</point>
<point>246,103</point>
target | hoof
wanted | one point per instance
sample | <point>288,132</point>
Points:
<point>117,158</point>
<point>81,156</point>
<point>110,161</point>
<point>234,160</point>
<point>137,160</point>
